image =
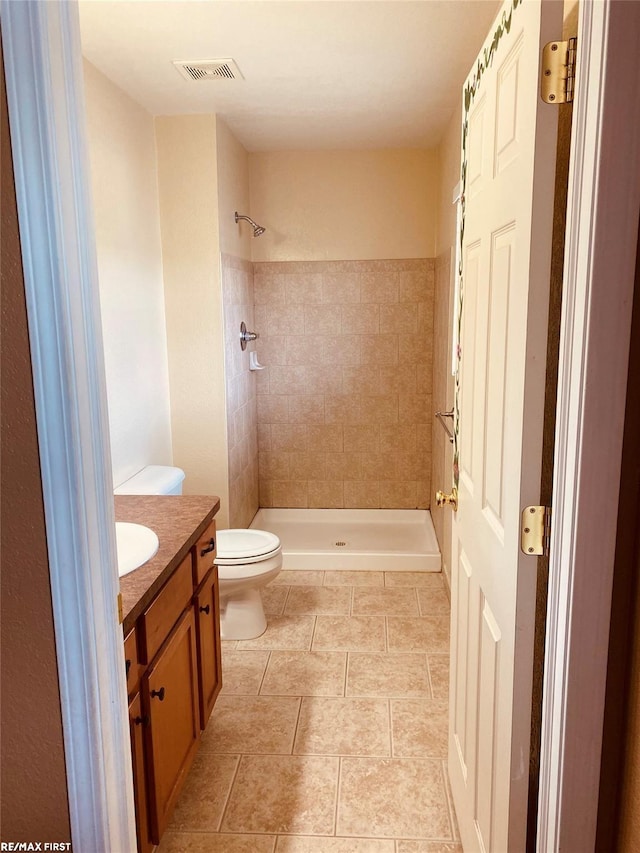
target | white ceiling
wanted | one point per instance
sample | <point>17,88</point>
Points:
<point>318,73</point>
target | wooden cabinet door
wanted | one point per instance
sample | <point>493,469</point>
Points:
<point>207,607</point>
<point>170,692</point>
<point>137,723</point>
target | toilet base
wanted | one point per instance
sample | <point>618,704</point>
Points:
<point>242,616</point>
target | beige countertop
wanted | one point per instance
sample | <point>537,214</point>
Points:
<point>178,521</point>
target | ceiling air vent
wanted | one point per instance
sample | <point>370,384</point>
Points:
<point>209,69</point>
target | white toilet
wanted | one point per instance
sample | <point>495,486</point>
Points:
<point>246,559</point>
<point>153,480</point>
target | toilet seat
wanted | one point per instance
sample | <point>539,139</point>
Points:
<point>244,546</point>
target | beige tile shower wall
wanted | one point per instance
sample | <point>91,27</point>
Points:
<point>345,404</point>
<point>242,427</point>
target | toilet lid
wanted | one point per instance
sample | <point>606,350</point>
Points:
<point>241,544</point>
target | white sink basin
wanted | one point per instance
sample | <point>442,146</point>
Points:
<point>136,544</point>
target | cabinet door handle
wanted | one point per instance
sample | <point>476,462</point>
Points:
<point>127,667</point>
<point>205,609</point>
<point>158,693</point>
<point>210,547</point>
<point>142,721</point>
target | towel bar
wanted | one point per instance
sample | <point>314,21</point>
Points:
<point>441,417</point>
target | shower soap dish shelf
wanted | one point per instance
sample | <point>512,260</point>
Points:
<point>254,364</point>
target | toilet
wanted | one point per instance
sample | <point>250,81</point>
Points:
<point>153,480</point>
<point>246,559</point>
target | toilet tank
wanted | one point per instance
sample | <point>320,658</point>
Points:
<point>153,480</point>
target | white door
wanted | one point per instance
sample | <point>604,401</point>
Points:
<point>509,138</point>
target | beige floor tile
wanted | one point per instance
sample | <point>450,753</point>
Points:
<point>295,577</point>
<point>283,632</point>
<point>244,724</point>
<point>368,600</point>
<point>343,727</point>
<point>344,704</point>
<point>274,598</point>
<point>419,728</point>
<point>228,645</point>
<point>308,844</point>
<point>201,804</point>
<point>388,676</point>
<point>350,634</point>
<point>335,600</point>
<point>345,578</point>
<point>422,633</point>
<point>283,794</point>
<point>439,675</point>
<point>433,601</point>
<point>242,672</point>
<point>428,580</point>
<point>305,674</point>
<point>392,798</point>
<point>208,842</point>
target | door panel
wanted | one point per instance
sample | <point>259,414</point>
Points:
<point>170,690</point>
<point>506,217</point>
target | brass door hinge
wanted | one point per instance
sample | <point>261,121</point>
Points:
<point>120,610</point>
<point>535,532</point>
<point>558,73</point>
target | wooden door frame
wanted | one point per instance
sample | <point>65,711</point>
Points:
<point>48,139</point>
<point>45,93</point>
<point>601,236</point>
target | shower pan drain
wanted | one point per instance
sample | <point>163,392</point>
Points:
<point>340,543</point>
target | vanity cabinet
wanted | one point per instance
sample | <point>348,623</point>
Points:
<point>170,692</point>
<point>174,674</point>
<point>138,722</point>
<point>207,608</point>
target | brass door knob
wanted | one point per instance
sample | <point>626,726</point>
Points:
<point>448,500</point>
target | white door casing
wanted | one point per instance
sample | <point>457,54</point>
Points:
<point>508,169</point>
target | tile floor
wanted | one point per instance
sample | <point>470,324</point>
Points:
<point>330,733</point>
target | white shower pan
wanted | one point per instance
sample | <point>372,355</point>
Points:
<point>354,539</point>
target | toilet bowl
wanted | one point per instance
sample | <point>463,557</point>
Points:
<point>247,560</point>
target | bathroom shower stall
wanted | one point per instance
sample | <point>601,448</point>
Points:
<point>330,445</point>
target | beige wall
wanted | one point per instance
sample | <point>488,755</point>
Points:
<point>341,205</point>
<point>443,383</point>
<point>344,406</point>
<point>448,179</point>
<point>33,801</point>
<point>233,193</point>
<point>188,191</point>
<point>242,423</point>
<point>125,200</point>
<point>237,304</point>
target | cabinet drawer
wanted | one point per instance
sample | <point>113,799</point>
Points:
<point>158,620</point>
<point>205,554</point>
<point>132,661</point>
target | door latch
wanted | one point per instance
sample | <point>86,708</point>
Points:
<point>448,500</point>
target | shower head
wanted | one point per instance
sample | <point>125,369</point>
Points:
<point>257,229</point>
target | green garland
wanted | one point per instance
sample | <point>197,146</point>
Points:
<point>485,60</point>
